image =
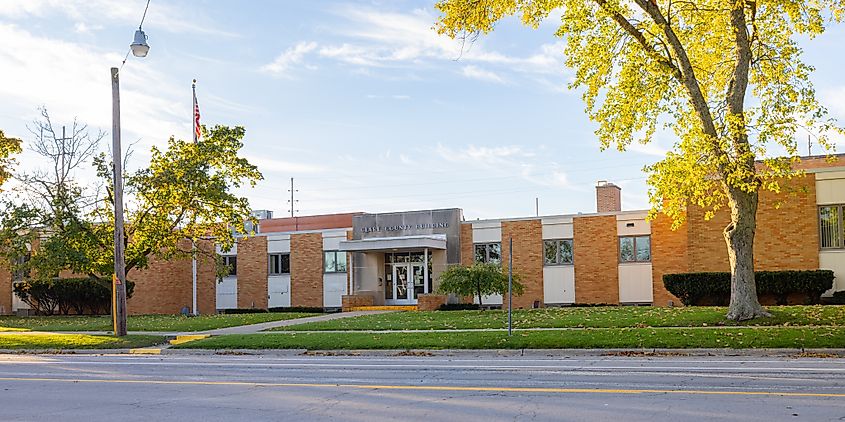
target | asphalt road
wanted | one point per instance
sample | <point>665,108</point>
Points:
<point>467,388</point>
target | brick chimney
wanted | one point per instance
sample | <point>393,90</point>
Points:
<point>608,197</point>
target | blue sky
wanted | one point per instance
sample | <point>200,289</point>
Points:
<point>361,102</point>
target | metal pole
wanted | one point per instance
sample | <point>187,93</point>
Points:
<point>119,279</point>
<point>194,309</point>
<point>510,287</point>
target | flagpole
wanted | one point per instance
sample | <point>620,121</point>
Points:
<point>194,309</point>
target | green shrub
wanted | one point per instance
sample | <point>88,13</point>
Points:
<point>459,307</point>
<point>695,288</point>
<point>838,298</point>
<point>243,311</point>
<point>302,309</point>
<point>88,295</point>
<point>478,280</point>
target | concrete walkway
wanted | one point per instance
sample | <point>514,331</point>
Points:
<point>242,329</point>
<point>255,328</point>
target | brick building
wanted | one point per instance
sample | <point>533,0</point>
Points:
<point>607,257</point>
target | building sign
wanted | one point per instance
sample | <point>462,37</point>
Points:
<point>405,227</point>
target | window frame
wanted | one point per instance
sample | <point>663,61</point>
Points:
<point>227,261</point>
<point>335,269</point>
<point>486,246</point>
<point>558,257</point>
<point>636,259</point>
<point>281,271</point>
<point>840,211</point>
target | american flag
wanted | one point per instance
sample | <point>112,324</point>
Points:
<point>197,130</point>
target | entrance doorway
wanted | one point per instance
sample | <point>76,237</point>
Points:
<point>408,283</point>
<point>407,276</point>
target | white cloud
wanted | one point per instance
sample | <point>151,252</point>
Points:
<point>72,80</point>
<point>484,155</point>
<point>267,165</point>
<point>377,39</point>
<point>475,72</point>
<point>84,28</point>
<point>292,56</point>
<point>161,15</point>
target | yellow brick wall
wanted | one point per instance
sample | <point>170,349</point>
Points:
<point>252,272</point>
<point>306,269</point>
<point>595,252</point>
<point>527,259</point>
<point>668,256</point>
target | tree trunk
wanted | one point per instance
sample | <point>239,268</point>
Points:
<point>739,237</point>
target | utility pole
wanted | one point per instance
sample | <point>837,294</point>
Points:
<point>510,286</point>
<point>809,145</point>
<point>119,279</point>
<point>292,200</point>
<point>537,206</point>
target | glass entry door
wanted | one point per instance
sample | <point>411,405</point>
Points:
<point>408,282</point>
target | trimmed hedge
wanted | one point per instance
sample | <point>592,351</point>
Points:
<point>693,288</point>
<point>459,307</point>
<point>301,309</point>
<point>81,295</point>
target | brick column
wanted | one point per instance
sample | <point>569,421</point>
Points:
<point>596,258</point>
<point>668,256</point>
<point>252,272</point>
<point>206,280</point>
<point>527,259</point>
<point>306,270</point>
<point>5,291</point>
<point>467,254</point>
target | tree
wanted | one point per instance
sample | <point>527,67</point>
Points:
<point>185,194</point>
<point>478,280</point>
<point>8,147</point>
<point>691,67</point>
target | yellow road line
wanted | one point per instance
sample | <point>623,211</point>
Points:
<point>435,387</point>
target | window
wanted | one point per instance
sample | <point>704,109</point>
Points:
<point>232,263</point>
<point>831,233</point>
<point>279,264</point>
<point>21,272</point>
<point>557,252</point>
<point>488,252</point>
<point>635,249</point>
<point>334,262</point>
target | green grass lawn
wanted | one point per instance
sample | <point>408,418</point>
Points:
<point>598,317</point>
<point>601,338</point>
<point>75,341</point>
<point>142,322</point>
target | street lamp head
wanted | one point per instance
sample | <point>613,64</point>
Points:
<point>139,46</point>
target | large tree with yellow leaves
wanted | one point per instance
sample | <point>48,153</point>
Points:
<point>725,75</point>
<point>8,147</point>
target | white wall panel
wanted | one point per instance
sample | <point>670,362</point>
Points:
<point>334,287</point>
<point>559,284</point>
<point>834,260</point>
<point>489,300</point>
<point>278,244</point>
<point>635,285</point>
<point>227,293</point>
<point>278,291</point>
<point>830,188</point>
<point>632,225</point>
<point>557,230</point>
<point>487,232</point>
<point>331,239</point>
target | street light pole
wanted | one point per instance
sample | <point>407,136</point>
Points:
<point>119,278</point>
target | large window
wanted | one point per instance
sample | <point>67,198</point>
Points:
<point>279,264</point>
<point>488,252</point>
<point>557,252</point>
<point>231,262</point>
<point>635,249</point>
<point>334,262</point>
<point>831,235</point>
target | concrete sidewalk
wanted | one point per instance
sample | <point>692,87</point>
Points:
<point>241,329</point>
<point>255,328</point>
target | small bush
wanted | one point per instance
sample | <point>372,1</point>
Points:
<point>81,295</point>
<point>715,288</point>
<point>459,307</point>
<point>838,298</point>
<point>243,311</point>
